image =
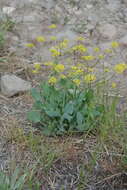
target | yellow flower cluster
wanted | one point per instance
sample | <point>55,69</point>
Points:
<point>106,70</point>
<point>79,38</point>
<point>62,76</point>
<point>114,85</point>
<point>40,39</point>
<point>74,68</point>
<point>63,44</point>
<point>55,52</point>
<point>90,69</point>
<point>52,26</point>
<point>88,58</point>
<point>120,68</point>
<point>96,49</point>
<point>37,67</point>
<point>52,80</point>
<point>108,50</point>
<point>115,44</point>
<point>48,63</point>
<point>77,82</point>
<point>90,78</point>
<point>59,68</point>
<point>30,45</point>
<point>80,48</point>
<point>76,72</point>
<point>101,56</point>
<point>53,38</point>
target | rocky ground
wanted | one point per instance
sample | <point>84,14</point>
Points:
<point>99,21</point>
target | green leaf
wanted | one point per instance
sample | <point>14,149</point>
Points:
<point>82,97</point>
<point>69,108</point>
<point>16,181</point>
<point>66,116</point>
<point>89,95</point>
<point>35,94</point>
<point>20,182</point>
<point>79,118</point>
<point>83,127</point>
<point>53,113</point>
<point>38,105</point>
<point>34,116</point>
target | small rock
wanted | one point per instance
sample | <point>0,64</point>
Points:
<point>114,5</point>
<point>12,85</point>
<point>89,6</point>
<point>123,41</point>
<point>8,10</point>
<point>108,31</point>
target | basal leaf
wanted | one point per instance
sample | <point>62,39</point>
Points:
<point>36,94</point>
<point>79,118</point>
<point>69,108</point>
<point>34,116</point>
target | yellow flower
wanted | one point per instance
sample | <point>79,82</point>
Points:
<point>96,49</point>
<point>115,44</point>
<point>30,45</point>
<point>79,38</point>
<point>80,48</point>
<point>101,56</point>
<point>75,72</point>
<point>106,70</point>
<point>63,45</point>
<point>62,76</point>
<point>89,69</point>
<point>35,71</point>
<point>114,85</point>
<point>108,50</point>
<point>80,65</point>
<point>120,68</point>
<point>37,66</point>
<point>59,68</point>
<point>40,39</point>
<point>77,82</point>
<point>52,80</point>
<point>53,38</point>
<point>49,63</point>
<point>66,41</point>
<point>54,52</point>
<point>74,68</point>
<point>52,26</point>
<point>88,58</point>
<point>89,78</point>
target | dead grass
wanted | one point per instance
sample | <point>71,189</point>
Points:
<point>53,159</point>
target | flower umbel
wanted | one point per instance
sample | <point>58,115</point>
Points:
<point>59,68</point>
<point>80,38</point>
<point>40,39</point>
<point>30,45</point>
<point>77,82</point>
<point>88,58</point>
<point>55,52</point>
<point>114,85</point>
<point>80,48</point>
<point>115,44</point>
<point>53,38</point>
<point>90,78</point>
<point>52,26</point>
<point>120,68</point>
<point>52,80</point>
<point>96,49</point>
<point>37,66</point>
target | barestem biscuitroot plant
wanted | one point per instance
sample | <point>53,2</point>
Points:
<point>74,98</point>
<point>65,108</point>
